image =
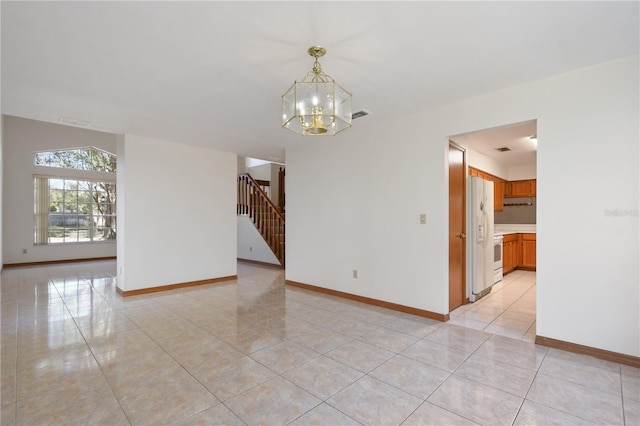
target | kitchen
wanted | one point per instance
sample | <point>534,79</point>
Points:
<point>501,231</point>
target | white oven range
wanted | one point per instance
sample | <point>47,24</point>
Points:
<point>497,258</point>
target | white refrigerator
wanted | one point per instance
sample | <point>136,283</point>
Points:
<point>479,237</point>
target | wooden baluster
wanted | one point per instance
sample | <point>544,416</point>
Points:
<point>244,196</point>
<point>281,242</point>
<point>262,221</point>
<point>239,210</point>
<point>258,214</point>
<point>271,231</point>
<point>252,206</point>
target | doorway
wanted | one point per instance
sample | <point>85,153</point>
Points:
<point>506,156</point>
<point>457,226</point>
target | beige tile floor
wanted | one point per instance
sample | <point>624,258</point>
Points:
<point>253,351</point>
<point>508,310</point>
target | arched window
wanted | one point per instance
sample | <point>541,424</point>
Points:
<point>88,158</point>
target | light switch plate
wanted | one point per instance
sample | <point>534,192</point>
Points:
<point>423,219</point>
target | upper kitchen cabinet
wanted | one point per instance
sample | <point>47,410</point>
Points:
<point>521,188</point>
<point>498,195</point>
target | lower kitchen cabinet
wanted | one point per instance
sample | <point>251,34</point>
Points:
<point>518,251</point>
<point>509,253</point>
<point>529,251</point>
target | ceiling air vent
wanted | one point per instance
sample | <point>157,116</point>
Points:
<point>73,122</point>
<point>503,149</point>
<point>359,114</point>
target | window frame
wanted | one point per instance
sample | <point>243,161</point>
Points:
<point>43,214</point>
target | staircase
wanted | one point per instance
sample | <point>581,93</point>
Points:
<point>267,218</point>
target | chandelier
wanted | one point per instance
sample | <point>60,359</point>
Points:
<point>317,105</point>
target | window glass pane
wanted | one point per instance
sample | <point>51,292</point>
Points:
<point>43,159</point>
<point>84,202</point>
<point>109,227</point>
<point>56,235</point>
<point>56,200</point>
<point>70,202</point>
<point>89,158</point>
<point>79,211</point>
<point>84,235</point>
<point>56,183</point>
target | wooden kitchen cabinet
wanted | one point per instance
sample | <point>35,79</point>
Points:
<point>521,188</point>
<point>529,251</point>
<point>518,252</point>
<point>498,195</point>
<point>509,253</point>
<point>533,187</point>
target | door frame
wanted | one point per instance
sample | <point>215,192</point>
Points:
<point>463,150</point>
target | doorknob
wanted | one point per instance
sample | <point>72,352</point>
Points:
<point>461,235</point>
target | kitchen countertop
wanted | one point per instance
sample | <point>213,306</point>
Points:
<point>508,228</point>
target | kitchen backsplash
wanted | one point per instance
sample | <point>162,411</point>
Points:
<point>517,210</point>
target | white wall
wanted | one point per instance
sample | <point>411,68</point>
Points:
<point>361,211</point>
<point>486,164</point>
<point>176,213</point>
<point>260,172</point>
<point>352,216</point>
<point>242,164</point>
<point>1,192</point>
<point>251,245</point>
<point>1,182</point>
<point>524,171</point>
<point>21,139</point>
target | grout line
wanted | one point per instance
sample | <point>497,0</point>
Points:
<point>530,386</point>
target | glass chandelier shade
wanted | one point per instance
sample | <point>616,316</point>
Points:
<point>317,105</point>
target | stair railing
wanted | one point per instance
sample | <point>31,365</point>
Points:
<point>268,220</point>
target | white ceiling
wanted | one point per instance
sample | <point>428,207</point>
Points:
<point>516,136</point>
<point>212,73</point>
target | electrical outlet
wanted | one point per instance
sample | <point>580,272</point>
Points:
<point>355,273</point>
<point>250,248</point>
<point>423,219</point>
<point>24,251</point>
